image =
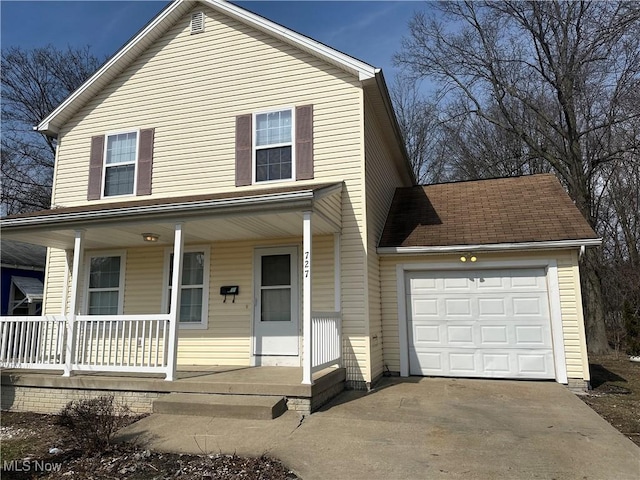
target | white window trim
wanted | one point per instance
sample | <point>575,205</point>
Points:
<point>123,266</point>
<point>204,321</point>
<point>292,144</point>
<point>135,163</point>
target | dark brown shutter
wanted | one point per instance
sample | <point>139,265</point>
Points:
<point>145,161</point>
<point>304,142</point>
<point>95,168</point>
<point>243,150</point>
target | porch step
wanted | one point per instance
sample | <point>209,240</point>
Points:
<point>253,407</point>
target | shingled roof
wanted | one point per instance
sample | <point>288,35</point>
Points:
<point>511,210</point>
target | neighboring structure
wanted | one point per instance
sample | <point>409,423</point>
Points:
<point>268,163</point>
<point>22,275</point>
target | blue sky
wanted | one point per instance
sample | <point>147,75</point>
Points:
<point>368,30</point>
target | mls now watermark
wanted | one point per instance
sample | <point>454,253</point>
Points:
<point>31,466</point>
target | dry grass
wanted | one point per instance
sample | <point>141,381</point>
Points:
<point>616,393</point>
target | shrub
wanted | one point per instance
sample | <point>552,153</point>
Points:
<point>94,421</point>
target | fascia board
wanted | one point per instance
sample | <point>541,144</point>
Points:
<point>587,242</point>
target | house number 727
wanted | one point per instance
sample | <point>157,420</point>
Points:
<point>306,264</point>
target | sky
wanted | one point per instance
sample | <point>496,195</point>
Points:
<point>371,31</point>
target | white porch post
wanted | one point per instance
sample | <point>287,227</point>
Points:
<point>174,313</point>
<point>306,298</point>
<point>78,254</point>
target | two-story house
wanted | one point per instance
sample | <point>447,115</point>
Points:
<point>221,191</point>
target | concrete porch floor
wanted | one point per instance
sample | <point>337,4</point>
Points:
<point>238,380</point>
<point>47,391</point>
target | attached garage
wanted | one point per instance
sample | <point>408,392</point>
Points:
<point>479,323</point>
<point>480,279</point>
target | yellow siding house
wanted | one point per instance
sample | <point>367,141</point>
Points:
<point>228,192</point>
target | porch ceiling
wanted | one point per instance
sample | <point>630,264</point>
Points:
<point>252,215</point>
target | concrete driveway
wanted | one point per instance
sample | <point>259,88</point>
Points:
<point>422,428</point>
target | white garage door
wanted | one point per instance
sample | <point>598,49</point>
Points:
<point>481,323</point>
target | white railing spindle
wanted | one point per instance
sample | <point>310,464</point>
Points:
<point>326,331</point>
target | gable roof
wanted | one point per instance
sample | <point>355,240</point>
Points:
<point>167,17</point>
<point>505,212</point>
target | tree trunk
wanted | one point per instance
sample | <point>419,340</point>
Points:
<point>592,302</point>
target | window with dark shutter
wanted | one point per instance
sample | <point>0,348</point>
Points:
<point>95,168</point>
<point>243,150</point>
<point>145,161</point>
<point>304,142</point>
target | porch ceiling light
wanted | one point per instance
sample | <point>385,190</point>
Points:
<point>150,237</point>
<point>471,258</point>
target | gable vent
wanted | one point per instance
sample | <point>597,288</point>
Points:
<point>197,22</point>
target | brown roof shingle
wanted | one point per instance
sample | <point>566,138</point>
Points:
<point>532,208</point>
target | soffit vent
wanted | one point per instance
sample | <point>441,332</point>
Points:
<point>197,22</point>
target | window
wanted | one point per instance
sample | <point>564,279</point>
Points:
<point>195,287</point>
<point>105,285</point>
<point>273,146</point>
<point>121,151</point>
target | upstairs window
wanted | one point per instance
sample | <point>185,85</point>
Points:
<point>121,164</point>
<point>121,152</point>
<point>273,146</point>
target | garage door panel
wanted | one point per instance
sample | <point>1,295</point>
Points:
<point>457,283</point>
<point>492,307</point>
<point>427,335</point>
<point>494,335</point>
<point>425,307</point>
<point>457,307</point>
<point>484,364</point>
<point>480,323</point>
<point>461,334</point>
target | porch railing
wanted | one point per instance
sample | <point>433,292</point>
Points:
<point>123,343</point>
<point>134,343</point>
<point>326,349</point>
<point>33,342</point>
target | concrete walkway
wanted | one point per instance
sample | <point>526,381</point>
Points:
<point>421,428</point>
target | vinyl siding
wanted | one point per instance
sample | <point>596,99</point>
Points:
<point>227,340</point>
<point>570,303</point>
<point>190,88</point>
<point>382,179</point>
<point>54,282</point>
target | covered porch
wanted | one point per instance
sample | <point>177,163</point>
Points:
<point>150,239</point>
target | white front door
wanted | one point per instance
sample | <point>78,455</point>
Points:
<point>276,315</point>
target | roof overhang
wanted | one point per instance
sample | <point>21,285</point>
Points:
<point>249,214</point>
<point>161,23</point>
<point>496,247</point>
<point>31,288</point>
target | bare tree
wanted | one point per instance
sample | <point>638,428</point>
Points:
<point>34,82</point>
<point>420,127</point>
<point>559,76</point>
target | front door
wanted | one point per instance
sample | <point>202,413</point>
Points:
<point>276,317</point>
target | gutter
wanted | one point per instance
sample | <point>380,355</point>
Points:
<point>579,243</point>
